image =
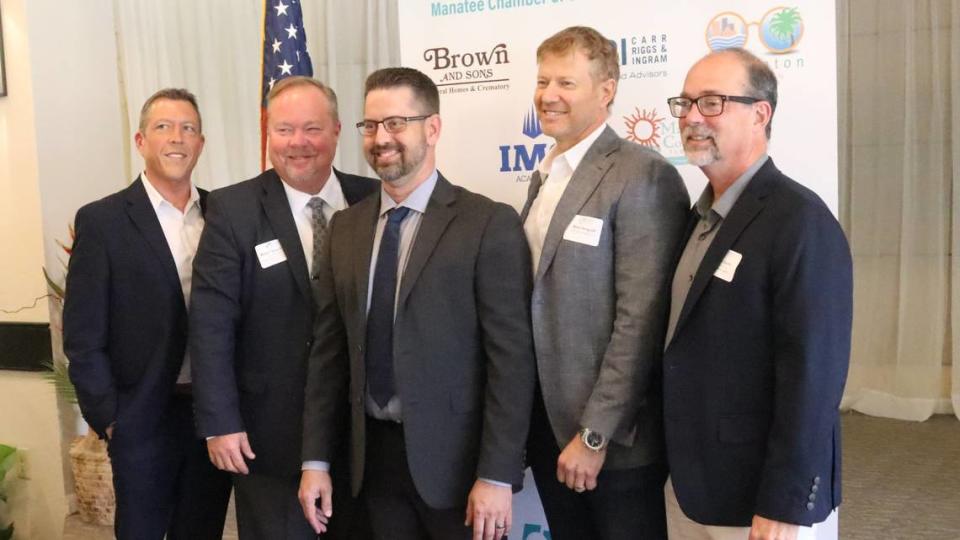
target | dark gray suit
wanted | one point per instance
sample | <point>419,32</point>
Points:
<point>462,348</point>
<point>249,337</point>
<point>599,317</point>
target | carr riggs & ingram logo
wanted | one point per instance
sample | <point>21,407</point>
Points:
<point>643,56</point>
<point>521,157</point>
<point>469,71</point>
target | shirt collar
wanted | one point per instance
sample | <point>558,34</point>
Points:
<point>724,204</point>
<point>417,200</point>
<point>574,154</point>
<point>156,199</point>
<point>331,194</point>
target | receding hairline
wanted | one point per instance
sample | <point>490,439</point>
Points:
<point>291,83</point>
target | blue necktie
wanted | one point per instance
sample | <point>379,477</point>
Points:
<point>380,318</point>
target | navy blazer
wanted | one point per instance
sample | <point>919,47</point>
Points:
<point>755,370</point>
<point>124,317</point>
<point>251,326</point>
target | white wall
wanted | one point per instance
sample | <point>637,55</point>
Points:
<point>21,240</point>
<point>60,147</point>
<point>77,111</point>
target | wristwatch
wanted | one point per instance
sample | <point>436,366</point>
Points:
<point>593,440</point>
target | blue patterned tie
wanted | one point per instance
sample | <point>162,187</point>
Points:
<point>380,318</point>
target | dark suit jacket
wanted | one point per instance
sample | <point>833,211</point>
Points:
<point>124,320</point>
<point>251,327</point>
<point>755,370</point>
<point>599,312</point>
<point>463,353</point>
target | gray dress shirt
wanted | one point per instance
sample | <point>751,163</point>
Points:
<point>712,213</point>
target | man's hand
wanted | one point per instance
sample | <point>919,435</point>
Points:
<point>768,529</point>
<point>578,466</point>
<point>489,510</point>
<point>316,485</point>
<point>227,452</point>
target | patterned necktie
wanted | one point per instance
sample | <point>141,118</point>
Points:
<point>319,224</point>
<point>380,318</point>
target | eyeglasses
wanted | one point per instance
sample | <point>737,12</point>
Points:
<point>393,124</point>
<point>709,105</point>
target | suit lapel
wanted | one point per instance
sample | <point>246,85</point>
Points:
<point>363,231</point>
<point>277,208</point>
<point>144,217</point>
<point>532,191</point>
<point>750,203</point>
<point>435,220</point>
<point>584,181</point>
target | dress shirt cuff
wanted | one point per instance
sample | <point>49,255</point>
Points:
<point>315,466</point>
<point>493,482</point>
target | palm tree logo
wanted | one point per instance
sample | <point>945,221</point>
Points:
<point>781,29</point>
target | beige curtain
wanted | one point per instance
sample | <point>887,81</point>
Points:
<point>213,48</point>
<point>899,104</point>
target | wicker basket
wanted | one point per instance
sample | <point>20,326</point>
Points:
<point>93,479</point>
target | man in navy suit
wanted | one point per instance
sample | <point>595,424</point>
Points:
<point>125,332</point>
<point>252,310</point>
<point>758,341</point>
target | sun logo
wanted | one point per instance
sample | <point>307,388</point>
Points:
<point>643,127</point>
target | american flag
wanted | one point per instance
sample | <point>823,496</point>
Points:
<point>284,54</point>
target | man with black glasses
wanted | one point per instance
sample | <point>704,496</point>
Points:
<point>758,342</point>
<point>423,319</point>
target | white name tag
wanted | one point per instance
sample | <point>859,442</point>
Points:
<point>584,230</point>
<point>728,266</point>
<point>270,253</point>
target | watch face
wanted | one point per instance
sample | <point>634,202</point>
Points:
<point>594,439</point>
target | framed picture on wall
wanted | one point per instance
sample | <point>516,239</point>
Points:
<point>3,67</point>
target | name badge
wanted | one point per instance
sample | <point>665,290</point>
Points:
<point>728,266</point>
<point>270,253</point>
<point>584,230</point>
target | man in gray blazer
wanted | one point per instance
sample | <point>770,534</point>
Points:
<point>603,218</point>
<point>423,317</point>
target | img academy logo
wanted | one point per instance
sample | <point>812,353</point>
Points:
<point>460,72</point>
<point>523,158</point>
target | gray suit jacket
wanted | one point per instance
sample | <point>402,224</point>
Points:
<point>600,313</point>
<point>463,353</point>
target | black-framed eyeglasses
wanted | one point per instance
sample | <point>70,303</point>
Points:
<point>393,124</point>
<point>709,105</point>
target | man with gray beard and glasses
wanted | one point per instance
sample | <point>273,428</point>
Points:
<point>758,341</point>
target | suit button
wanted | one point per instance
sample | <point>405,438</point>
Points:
<point>309,343</point>
<point>812,497</point>
<point>816,480</point>
<point>814,488</point>
<point>810,506</point>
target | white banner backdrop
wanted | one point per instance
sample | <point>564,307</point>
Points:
<point>482,55</point>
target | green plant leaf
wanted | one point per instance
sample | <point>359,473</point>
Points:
<point>59,376</point>
<point>55,289</point>
<point>8,460</point>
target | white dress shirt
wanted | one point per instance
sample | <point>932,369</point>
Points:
<point>555,173</point>
<point>182,231</point>
<point>333,201</point>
